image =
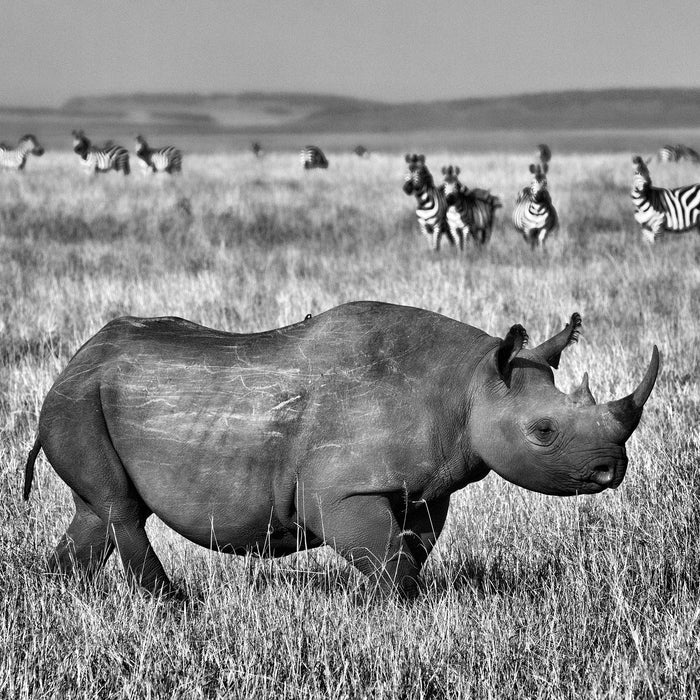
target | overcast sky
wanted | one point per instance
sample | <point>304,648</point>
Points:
<point>397,51</point>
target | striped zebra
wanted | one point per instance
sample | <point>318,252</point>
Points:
<point>469,212</point>
<point>360,151</point>
<point>677,153</point>
<point>16,158</point>
<point>431,209</point>
<point>313,157</point>
<point>100,159</point>
<point>534,214</point>
<point>659,210</point>
<point>167,159</point>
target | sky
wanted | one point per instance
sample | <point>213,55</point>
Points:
<point>393,51</point>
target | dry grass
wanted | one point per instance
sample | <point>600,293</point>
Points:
<point>525,596</point>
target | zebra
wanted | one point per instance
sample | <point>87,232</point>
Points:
<point>100,160</point>
<point>257,149</point>
<point>677,153</point>
<point>469,212</point>
<point>431,211</point>
<point>313,157</point>
<point>534,214</point>
<point>16,158</point>
<point>544,155</point>
<point>659,210</point>
<point>360,151</point>
<point>166,159</point>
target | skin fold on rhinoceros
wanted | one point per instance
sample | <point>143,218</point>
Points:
<point>351,428</point>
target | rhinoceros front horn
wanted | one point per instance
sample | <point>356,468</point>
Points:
<point>627,412</point>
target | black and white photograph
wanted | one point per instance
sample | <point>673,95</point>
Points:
<point>349,350</point>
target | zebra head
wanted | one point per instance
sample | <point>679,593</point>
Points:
<point>544,155</point>
<point>29,144</point>
<point>360,151</point>
<point>81,143</point>
<point>642,178</point>
<point>538,184</point>
<point>451,186</point>
<point>418,177</point>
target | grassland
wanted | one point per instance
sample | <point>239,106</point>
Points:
<point>525,595</point>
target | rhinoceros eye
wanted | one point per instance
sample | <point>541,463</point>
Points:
<point>543,431</point>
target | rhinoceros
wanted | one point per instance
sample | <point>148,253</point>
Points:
<point>350,429</point>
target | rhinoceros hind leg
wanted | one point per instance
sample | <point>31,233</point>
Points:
<point>140,562</point>
<point>364,530</point>
<point>85,546</point>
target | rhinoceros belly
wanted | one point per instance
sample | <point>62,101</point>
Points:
<point>208,450</point>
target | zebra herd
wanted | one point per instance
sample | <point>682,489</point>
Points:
<point>451,209</point>
<point>454,211</point>
<point>97,159</point>
<point>458,213</point>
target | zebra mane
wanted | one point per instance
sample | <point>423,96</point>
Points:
<point>641,167</point>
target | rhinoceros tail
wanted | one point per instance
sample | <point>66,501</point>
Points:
<point>29,469</point>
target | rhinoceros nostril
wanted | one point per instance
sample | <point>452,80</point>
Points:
<point>603,474</point>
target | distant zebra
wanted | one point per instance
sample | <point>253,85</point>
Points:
<point>677,153</point>
<point>431,210</point>
<point>658,210</point>
<point>544,155</point>
<point>166,159</point>
<point>361,151</point>
<point>100,160</point>
<point>469,212</point>
<point>313,157</point>
<point>15,158</point>
<point>534,214</point>
<point>257,149</point>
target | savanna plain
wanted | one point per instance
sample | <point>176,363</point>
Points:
<point>525,595</point>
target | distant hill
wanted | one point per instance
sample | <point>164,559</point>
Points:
<point>292,112</point>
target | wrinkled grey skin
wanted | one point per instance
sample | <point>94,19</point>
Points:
<point>350,429</point>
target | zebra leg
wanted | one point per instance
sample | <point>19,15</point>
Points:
<point>457,234</point>
<point>648,235</point>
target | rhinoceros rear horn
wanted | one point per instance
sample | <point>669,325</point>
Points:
<point>627,412</point>
<point>510,346</point>
<point>551,349</point>
<point>582,396</point>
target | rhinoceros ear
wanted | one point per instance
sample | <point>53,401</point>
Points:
<point>551,349</point>
<point>510,346</point>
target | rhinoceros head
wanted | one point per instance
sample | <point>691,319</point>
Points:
<point>537,437</point>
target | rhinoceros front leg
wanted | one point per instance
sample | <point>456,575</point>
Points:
<point>365,531</point>
<point>423,523</point>
<point>86,544</point>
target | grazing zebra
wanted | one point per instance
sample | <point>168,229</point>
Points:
<point>361,151</point>
<point>534,214</point>
<point>100,160</point>
<point>431,210</point>
<point>469,212</point>
<point>15,158</point>
<point>659,210</point>
<point>313,157</point>
<point>166,159</point>
<point>257,149</point>
<point>677,153</point>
